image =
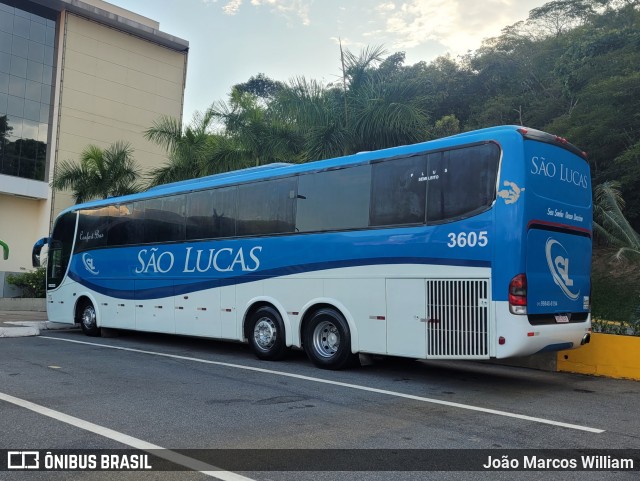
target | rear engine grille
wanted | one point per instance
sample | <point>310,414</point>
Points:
<point>457,318</point>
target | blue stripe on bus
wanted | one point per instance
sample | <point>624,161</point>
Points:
<point>179,289</point>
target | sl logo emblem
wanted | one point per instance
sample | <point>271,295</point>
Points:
<point>87,260</point>
<point>559,266</point>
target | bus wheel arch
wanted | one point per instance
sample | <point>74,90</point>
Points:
<point>87,316</point>
<point>264,328</point>
<point>327,337</point>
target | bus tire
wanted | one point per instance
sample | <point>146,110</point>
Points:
<point>266,334</point>
<point>327,340</point>
<point>88,319</point>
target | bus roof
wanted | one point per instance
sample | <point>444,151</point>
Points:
<point>275,170</point>
<point>223,175</point>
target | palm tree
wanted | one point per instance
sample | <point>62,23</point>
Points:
<point>298,122</point>
<point>255,132</point>
<point>226,136</point>
<point>366,110</point>
<point>610,222</point>
<point>320,117</point>
<point>189,151</point>
<point>101,173</point>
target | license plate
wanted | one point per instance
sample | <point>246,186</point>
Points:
<point>561,318</point>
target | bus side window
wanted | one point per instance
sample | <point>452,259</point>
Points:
<point>436,187</point>
<point>124,228</point>
<point>93,226</point>
<point>334,200</point>
<point>266,207</point>
<point>164,219</point>
<point>173,218</point>
<point>462,182</point>
<point>211,214</point>
<point>398,191</point>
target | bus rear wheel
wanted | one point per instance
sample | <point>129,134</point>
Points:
<point>266,334</point>
<point>327,340</point>
<point>88,319</point>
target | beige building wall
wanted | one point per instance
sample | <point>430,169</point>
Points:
<point>114,86</point>
<point>19,231</point>
<point>116,72</point>
<point>123,13</point>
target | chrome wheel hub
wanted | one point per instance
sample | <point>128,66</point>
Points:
<point>326,339</point>
<point>265,333</point>
<point>89,318</point>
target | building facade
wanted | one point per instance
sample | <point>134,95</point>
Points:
<point>74,73</point>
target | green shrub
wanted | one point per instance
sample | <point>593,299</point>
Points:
<point>621,328</point>
<point>33,284</point>
<point>614,298</point>
<point>615,294</point>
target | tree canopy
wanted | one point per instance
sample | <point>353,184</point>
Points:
<point>571,68</point>
<point>101,173</point>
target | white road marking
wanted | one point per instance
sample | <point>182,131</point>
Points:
<point>127,440</point>
<point>346,385</point>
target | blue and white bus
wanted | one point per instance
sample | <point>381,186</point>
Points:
<point>474,246</point>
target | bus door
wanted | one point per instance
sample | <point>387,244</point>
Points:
<point>406,327</point>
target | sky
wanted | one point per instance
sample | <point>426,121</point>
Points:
<point>233,40</point>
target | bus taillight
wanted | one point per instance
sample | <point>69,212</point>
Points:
<point>518,294</point>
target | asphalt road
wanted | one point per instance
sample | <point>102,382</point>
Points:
<point>63,390</point>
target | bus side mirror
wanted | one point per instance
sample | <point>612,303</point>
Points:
<point>5,250</point>
<point>37,248</point>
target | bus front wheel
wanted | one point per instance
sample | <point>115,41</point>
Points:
<point>327,340</point>
<point>88,319</point>
<point>266,334</point>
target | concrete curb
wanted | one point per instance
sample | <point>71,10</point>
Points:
<point>30,328</point>
<point>19,331</point>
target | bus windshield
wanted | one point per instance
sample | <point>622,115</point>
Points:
<point>60,245</point>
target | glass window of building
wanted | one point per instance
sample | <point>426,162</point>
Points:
<point>26,77</point>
